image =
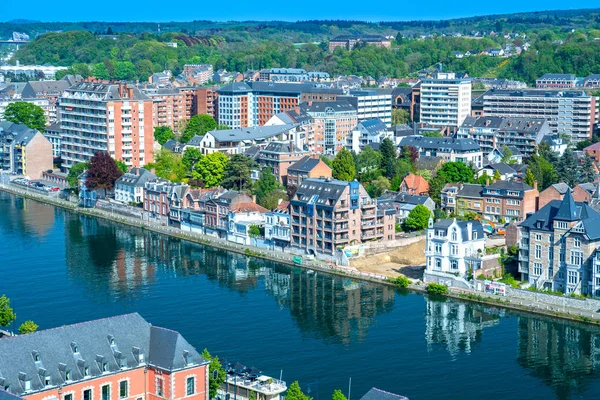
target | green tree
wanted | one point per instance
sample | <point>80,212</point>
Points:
<point>456,171</point>
<point>388,152</point>
<point>7,315</point>
<point>507,155</point>
<point>168,165</point>
<point>74,172</point>
<point>587,170</point>
<point>343,167</point>
<point>190,158</point>
<point>211,169</point>
<point>432,134</point>
<point>295,393</point>
<point>102,172</point>
<point>28,327</point>
<point>254,230</point>
<point>529,177</point>
<point>265,185</point>
<point>425,173</point>
<point>216,373</point>
<point>338,395</point>
<point>435,188</point>
<point>418,218</point>
<point>238,172</point>
<point>272,199</point>
<point>496,176</point>
<point>378,186</point>
<point>567,168</point>
<point>400,116</point>
<point>198,125</point>
<point>484,179</point>
<point>397,169</point>
<point>122,166</point>
<point>543,171</point>
<point>367,162</point>
<point>162,134</point>
<point>29,114</point>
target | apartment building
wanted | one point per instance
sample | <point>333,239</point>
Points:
<point>328,214</point>
<point>156,198</point>
<point>592,81</point>
<point>525,134</point>
<point>116,118</point>
<point>198,74</point>
<point>291,75</point>
<point>307,167</point>
<point>168,106</point>
<point>24,151</point>
<point>54,135</point>
<point>279,156</point>
<point>448,148</point>
<point>333,124</point>
<point>454,247</point>
<point>43,103</point>
<point>305,127</point>
<point>558,247</point>
<point>445,101</point>
<point>556,81</point>
<point>368,133</point>
<point>237,141</point>
<point>371,104</point>
<point>129,188</point>
<point>206,102</point>
<point>348,42</point>
<point>121,357</point>
<point>278,226</point>
<point>569,112</point>
<point>509,201</point>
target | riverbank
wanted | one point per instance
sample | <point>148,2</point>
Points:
<point>536,307</point>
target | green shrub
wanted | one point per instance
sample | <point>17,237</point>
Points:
<point>402,281</point>
<point>437,288</point>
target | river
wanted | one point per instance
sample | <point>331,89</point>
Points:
<point>60,267</point>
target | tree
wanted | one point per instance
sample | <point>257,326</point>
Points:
<point>295,393</point>
<point>425,173</point>
<point>400,116</point>
<point>7,315</point>
<point>388,151</point>
<point>529,177</point>
<point>435,188</point>
<point>587,170</point>
<point>497,176</point>
<point>378,186</point>
<point>567,168</point>
<point>456,171</point>
<point>74,172</point>
<point>29,114</point>
<point>28,327</point>
<point>102,172</point>
<point>198,125</point>
<point>216,373</point>
<point>418,218</point>
<point>190,158</point>
<point>238,172</point>
<point>484,179</point>
<point>432,134</point>
<point>254,230</point>
<point>337,394</point>
<point>122,166</point>
<point>398,169</point>
<point>343,166</point>
<point>542,170</point>
<point>168,165</point>
<point>211,169</point>
<point>507,155</point>
<point>265,185</point>
<point>367,162</point>
<point>162,134</point>
<point>272,199</point>
<point>410,154</point>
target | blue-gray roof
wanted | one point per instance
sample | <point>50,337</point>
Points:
<point>305,164</point>
<point>251,133</point>
<point>441,144</point>
<point>378,394</point>
<point>373,126</point>
<point>88,345</point>
<point>476,226</point>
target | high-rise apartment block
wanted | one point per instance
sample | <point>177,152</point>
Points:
<point>333,123</point>
<point>445,101</point>
<point>114,118</point>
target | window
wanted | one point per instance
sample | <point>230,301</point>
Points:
<point>68,376</point>
<point>123,389</point>
<point>104,366</point>
<point>190,386</point>
<point>105,392</point>
<point>576,257</point>
<point>454,250</point>
<point>86,371</point>
<point>454,264</point>
<point>562,225</point>
<point>538,237</point>
<point>454,235</point>
<point>87,394</point>
<point>438,248</point>
<point>537,269</point>
<point>159,386</point>
<point>68,396</point>
<point>576,242</point>
<point>47,381</point>
<point>438,264</point>
<point>538,251</point>
<point>573,277</point>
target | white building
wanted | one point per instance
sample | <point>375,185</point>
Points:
<point>235,141</point>
<point>241,217</point>
<point>448,148</point>
<point>445,100</point>
<point>366,133</point>
<point>372,104</point>
<point>453,246</point>
<point>277,226</point>
<point>129,188</point>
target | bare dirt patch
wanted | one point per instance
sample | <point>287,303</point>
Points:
<point>408,260</point>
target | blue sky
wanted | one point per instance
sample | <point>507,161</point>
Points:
<point>159,10</point>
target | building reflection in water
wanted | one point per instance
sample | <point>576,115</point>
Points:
<point>27,217</point>
<point>457,325</point>
<point>122,262</point>
<point>565,356</point>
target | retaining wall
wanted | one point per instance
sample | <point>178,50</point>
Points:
<point>591,305</point>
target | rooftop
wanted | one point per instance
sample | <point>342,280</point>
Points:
<point>440,144</point>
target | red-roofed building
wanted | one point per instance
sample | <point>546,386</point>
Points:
<point>241,217</point>
<point>593,151</point>
<point>415,184</point>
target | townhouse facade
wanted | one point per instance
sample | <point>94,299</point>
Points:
<point>328,214</point>
<point>307,167</point>
<point>241,218</point>
<point>449,148</point>
<point>556,81</point>
<point>113,118</point>
<point>460,198</point>
<point>454,247</point>
<point>24,151</point>
<point>509,201</point>
<point>445,101</point>
<point>558,248</point>
<point>156,198</point>
<point>278,226</point>
<point>279,156</point>
<point>117,358</point>
<point>129,188</point>
<point>572,112</point>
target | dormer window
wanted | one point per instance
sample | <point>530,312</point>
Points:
<point>27,386</point>
<point>47,381</point>
<point>104,366</point>
<point>74,347</point>
<point>36,356</point>
<point>68,375</point>
<point>86,371</point>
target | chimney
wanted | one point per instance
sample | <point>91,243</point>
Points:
<point>535,185</point>
<point>130,93</point>
<point>254,198</point>
<point>487,181</point>
<point>121,89</point>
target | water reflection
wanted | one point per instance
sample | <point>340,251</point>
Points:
<point>566,357</point>
<point>24,217</point>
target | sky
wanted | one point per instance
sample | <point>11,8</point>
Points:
<point>160,11</point>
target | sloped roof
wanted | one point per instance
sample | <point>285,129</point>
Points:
<point>440,144</point>
<point>324,106</point>
<point>405,198</point>
<point>374,126</point>
<point>247,207</point>
<point>281,147</point>
<point>69,348</point>
<point>136,177</point>
<point>195,141</point>
<point>567,210</point>
<point>416,183</point>
<point>560,187</point>
<point>251,133</point>
<point>305,164</point>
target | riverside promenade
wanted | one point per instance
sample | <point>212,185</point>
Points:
<point>538,304</point>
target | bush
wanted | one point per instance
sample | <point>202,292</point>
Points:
<point>402,281</point>
<point>437,288</point>
<point>398,228</point>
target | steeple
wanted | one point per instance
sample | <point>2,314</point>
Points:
<point>567,210</point>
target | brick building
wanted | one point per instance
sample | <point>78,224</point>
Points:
<point>206,102</point>
<point>307,167</point>
<point>552,192</point>
<point>279,156</point>
<point>122,357</point>
<point>509,200</point>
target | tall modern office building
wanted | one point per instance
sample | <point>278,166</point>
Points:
<point>445,101</point>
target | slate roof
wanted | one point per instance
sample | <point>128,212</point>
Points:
<point>568,210</point>
<point>429,163</point>
<point>593,147</point>
<point>373,126</point>
<point>251,133</point>
<point>521,125</point>
<point>195,141</point>
<point>136,177</point>
<point>323,106</point>
<point>88,344</point>
<point>172,145</point>
<point>510,185</point>
<point>18,133</point>
<point>305,164</point>
<point>476,226</point>
<point>470,190</point>
<point>106,91</point>
<point>34,88</point>
<point>440,144</point>
<point>404,198</point>
<point>8,396</point>
<point>324,189</point>
<point>560,187</point>
<point>281,147</point>
<point>568,77</point>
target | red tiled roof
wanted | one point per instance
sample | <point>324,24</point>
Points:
<point>248,207</point>
<point>283,205</point>
<point>416,183</point>
<point>592,147</point>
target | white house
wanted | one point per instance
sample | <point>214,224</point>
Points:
<point>129,188</point>
<point>277,226</point>
<point>240,218</point>
<point>454,246</point>
<point>236,141</point>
